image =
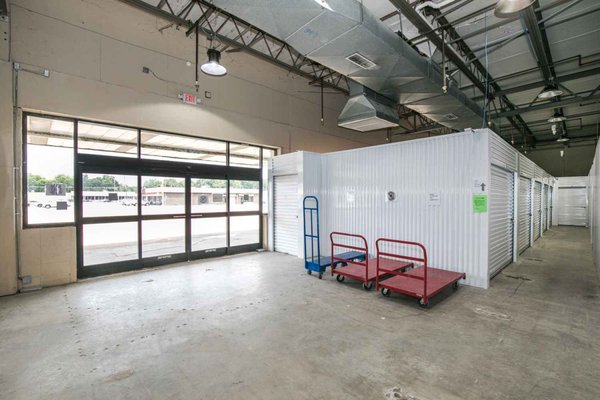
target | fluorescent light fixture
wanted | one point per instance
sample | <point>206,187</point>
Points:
<point>557,117</point>
<point>212,67</point>
<point>323,4</point>
<point>562,139</point>
<point>509,8</point>
<point>562,153</point>
<point>554,129</point>
<point>549,92</point>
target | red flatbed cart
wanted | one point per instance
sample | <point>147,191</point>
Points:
<point>422,282</point>
<point>361,270</point>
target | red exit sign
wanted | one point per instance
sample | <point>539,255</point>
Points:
<point>189,98</point>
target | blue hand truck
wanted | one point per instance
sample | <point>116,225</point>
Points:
<point>313,262</point>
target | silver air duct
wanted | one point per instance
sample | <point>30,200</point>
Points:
<point>344,36</point>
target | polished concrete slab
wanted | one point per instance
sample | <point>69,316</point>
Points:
<point>257,327</point>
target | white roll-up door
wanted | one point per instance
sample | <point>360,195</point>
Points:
<point>524,211</point>
<point>285,214</point>
<point>501,220</point>
<point>572,206</point>
<point>546,209</point>
<point>537,210</point>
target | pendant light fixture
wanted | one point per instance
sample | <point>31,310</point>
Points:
<point>509,8</point>
<point>557,117</point>
<point>562,139</point>
<point>212,66</point>
<point>549,92</point>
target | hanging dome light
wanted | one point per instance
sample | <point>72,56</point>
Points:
<point>509,8</point>
<point>213,67</point>
<point>557,117</point>
<point>549,92</point>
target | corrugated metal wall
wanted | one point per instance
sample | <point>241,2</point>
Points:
<point>594,184</point>
<point>433,181</point>
<point>356,184</point>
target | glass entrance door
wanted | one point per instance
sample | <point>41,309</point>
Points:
<point>131,220</point>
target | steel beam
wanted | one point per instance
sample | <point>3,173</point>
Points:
<point>552,104</point>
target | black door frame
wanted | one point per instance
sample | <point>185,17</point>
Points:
<point>87,163</point>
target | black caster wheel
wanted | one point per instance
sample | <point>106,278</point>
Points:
<point>308,271</point>
<point>340,278</point>
<point>423,304</point>
<point>386,292</point>
<point>368,285</point>
<point>320,275</point>
<point>455,286</point>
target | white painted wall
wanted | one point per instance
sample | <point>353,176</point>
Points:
<point>94,51</point>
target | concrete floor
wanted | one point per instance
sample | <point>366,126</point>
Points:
<point>257,327</point>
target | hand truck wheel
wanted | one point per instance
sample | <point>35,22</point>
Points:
<point>368,285</point>
<point>386,292</point>
<point>340,278</point>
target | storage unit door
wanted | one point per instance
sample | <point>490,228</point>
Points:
<point>546,209</point>
<point>524,211</point>
<point>285,214</point>
<point>572,206</point>
<point>551,210</point>
<point>537,210</point>
<point>501,220</point>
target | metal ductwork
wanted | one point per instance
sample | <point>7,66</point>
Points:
<point>368,111</point>
<point>344,36</point>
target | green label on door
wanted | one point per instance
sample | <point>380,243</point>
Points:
<point>480,203</point>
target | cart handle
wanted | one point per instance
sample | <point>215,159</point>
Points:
<point>404,257</point>
<point>310,198</point>
<point>346,246</point>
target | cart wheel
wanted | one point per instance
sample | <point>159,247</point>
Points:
<point>368,285</point>
<point>423,304</point>
<point>340,278</point>
<point>320,275</point>
<point>455,285</point>
<point>385,292</point>
<point>308,271</point>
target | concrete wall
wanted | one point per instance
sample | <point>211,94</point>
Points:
<point>94,51</point>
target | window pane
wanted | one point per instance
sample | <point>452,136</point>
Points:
<point>109,195</point>
<point>268,154</point>
<point>163,195</point>
<point>163,237</point>
<point>244,230</point>
<point>49,171</point>
<point>243,196</point>
<point>209,233</point>
<point>106,140</point>
<point>242,155</point>
<point>209,195</point>
<point>107,243</point>
<point>163,146</point>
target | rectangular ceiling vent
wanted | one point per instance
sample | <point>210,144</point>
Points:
<point>450,117</point>
<point>361,61</point>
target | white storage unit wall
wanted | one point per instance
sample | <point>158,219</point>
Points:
<point>594,201</point>
<point>434,181</point>
<point>573,200</point>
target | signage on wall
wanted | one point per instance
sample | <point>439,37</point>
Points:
<point>480,203</point>
<point>189,98</point>
<point>434,199</point>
